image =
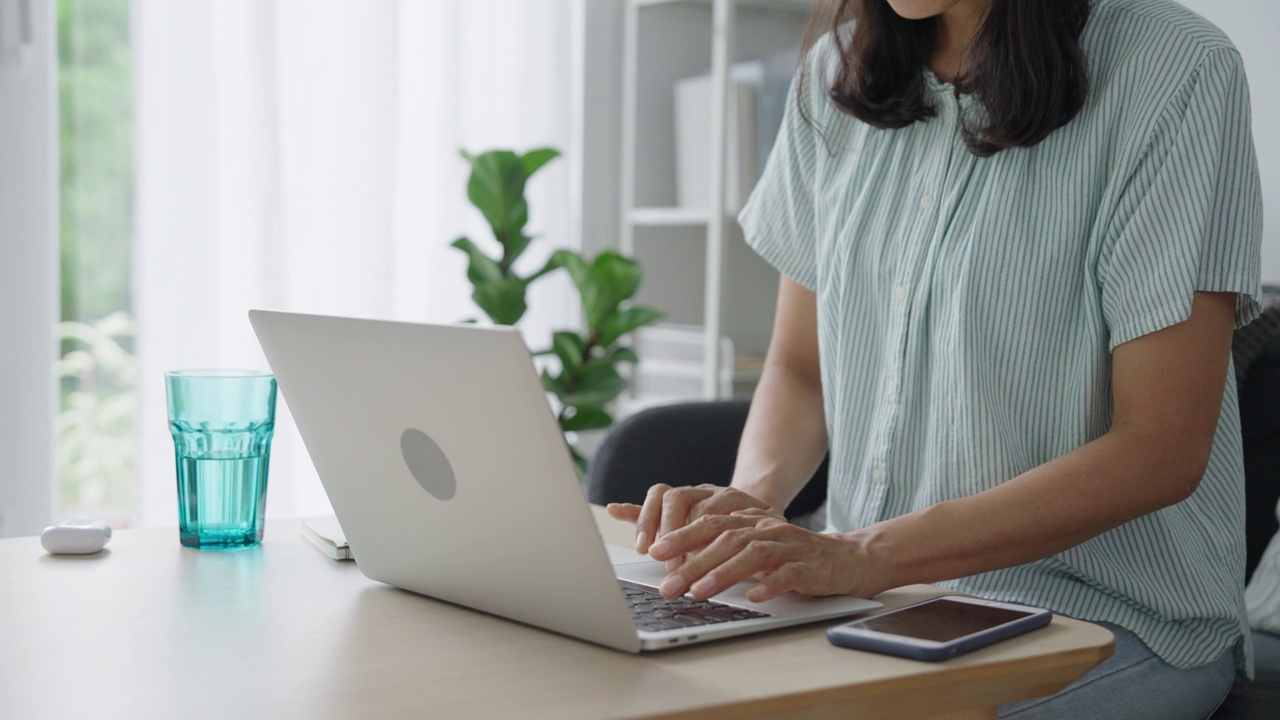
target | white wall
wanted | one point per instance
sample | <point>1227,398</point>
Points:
<point>28,280</point>
<point>1254,27</point>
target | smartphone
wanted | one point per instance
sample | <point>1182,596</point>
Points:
<point>940,628</point>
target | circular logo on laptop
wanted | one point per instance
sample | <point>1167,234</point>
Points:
<point>427,463</point>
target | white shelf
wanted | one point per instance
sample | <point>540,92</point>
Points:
<point>680,37</point>
<point>669,217</point>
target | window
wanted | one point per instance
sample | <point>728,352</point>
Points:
<point>94,426</point>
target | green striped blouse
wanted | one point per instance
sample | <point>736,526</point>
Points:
<point>968,307</point>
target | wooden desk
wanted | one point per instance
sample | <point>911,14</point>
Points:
<point>149,629</point>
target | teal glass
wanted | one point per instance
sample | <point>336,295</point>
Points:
<point>221,422</point>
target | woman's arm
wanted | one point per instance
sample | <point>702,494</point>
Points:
<point>1167,390</point>
<point>782,444</point>
<point>785,438</point>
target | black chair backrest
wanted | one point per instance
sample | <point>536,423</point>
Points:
<point>1260,427</point>
<point>685,444</point>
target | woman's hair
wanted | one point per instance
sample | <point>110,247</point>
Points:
<point>1026,68</point>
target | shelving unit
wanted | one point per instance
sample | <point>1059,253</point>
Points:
<point>664,41</point>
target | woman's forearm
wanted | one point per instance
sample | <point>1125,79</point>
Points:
<point>785,438</point>
<point>1120,476</point>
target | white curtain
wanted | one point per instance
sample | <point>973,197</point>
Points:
<point>303,155</point>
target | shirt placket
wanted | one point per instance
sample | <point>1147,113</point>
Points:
<point>925,203</point>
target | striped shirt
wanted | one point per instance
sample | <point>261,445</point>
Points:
<point>968,307</point>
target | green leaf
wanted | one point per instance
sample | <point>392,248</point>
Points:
<point>535,159</point>
<point>575,265</point>
<point>620,274</point>
<point>613,279</point>
<point>623,354</point>
<point>553,384</point>
<point>618,355</point>
<point>568,347</point>
<point>503,301</point>
<point>596,387</point>
<point>496,188</point>
<point>586,418</point>
<point>516,243</point>
<point>619,324</point>
<point>592,284</point>
<point>481,267</point>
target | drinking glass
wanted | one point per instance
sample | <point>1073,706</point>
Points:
<point>221,422</point>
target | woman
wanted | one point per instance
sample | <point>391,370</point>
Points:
<point>1015,237</point>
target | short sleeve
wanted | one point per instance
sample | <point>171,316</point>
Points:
<point>1190,217</point>
<point>778,220</point>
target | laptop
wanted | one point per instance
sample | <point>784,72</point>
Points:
<point>449,475</point>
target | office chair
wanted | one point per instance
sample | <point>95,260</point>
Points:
<point>1258,375</point>
<point>685,444</point>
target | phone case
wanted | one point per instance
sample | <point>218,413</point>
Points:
<point>842,636</point>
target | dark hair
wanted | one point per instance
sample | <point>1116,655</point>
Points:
<point>1026,68</point>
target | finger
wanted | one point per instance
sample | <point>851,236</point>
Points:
<point>676,505</point>
<point>629,512</point>
<point>798,576</point>
<point>721,502</point>
<point>650,515</point>
<point>732,556</point>
<point>757,556</point>
<point>695,536</point>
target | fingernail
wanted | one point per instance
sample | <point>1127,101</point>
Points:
<point>672,586</point>
<point>660,548</point>
<point>641,540</point>
<point>703,587</point>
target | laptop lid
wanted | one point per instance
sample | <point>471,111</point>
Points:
<point>446,469</point>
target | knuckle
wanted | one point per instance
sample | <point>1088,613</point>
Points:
<point>719,523</point>
<point>781,532</point>
<point>788,575</point>
<point>681,494</point>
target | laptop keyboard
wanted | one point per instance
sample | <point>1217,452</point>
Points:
<point>651,611</point>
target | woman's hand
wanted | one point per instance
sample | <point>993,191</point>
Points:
<point>667,509</point>
<point>723,550</point>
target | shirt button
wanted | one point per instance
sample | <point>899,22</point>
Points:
<point>893,388</point>
<point>877,476</point>
<point>900,293</point>
<point>926,202</point>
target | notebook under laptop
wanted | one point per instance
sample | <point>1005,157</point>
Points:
<point>450,477</point>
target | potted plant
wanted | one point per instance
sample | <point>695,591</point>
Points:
<point>591,361</point>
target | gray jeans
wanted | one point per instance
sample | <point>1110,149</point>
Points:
<point>1135,683</point>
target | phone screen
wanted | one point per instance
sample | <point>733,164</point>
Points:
<point>941,620</point>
